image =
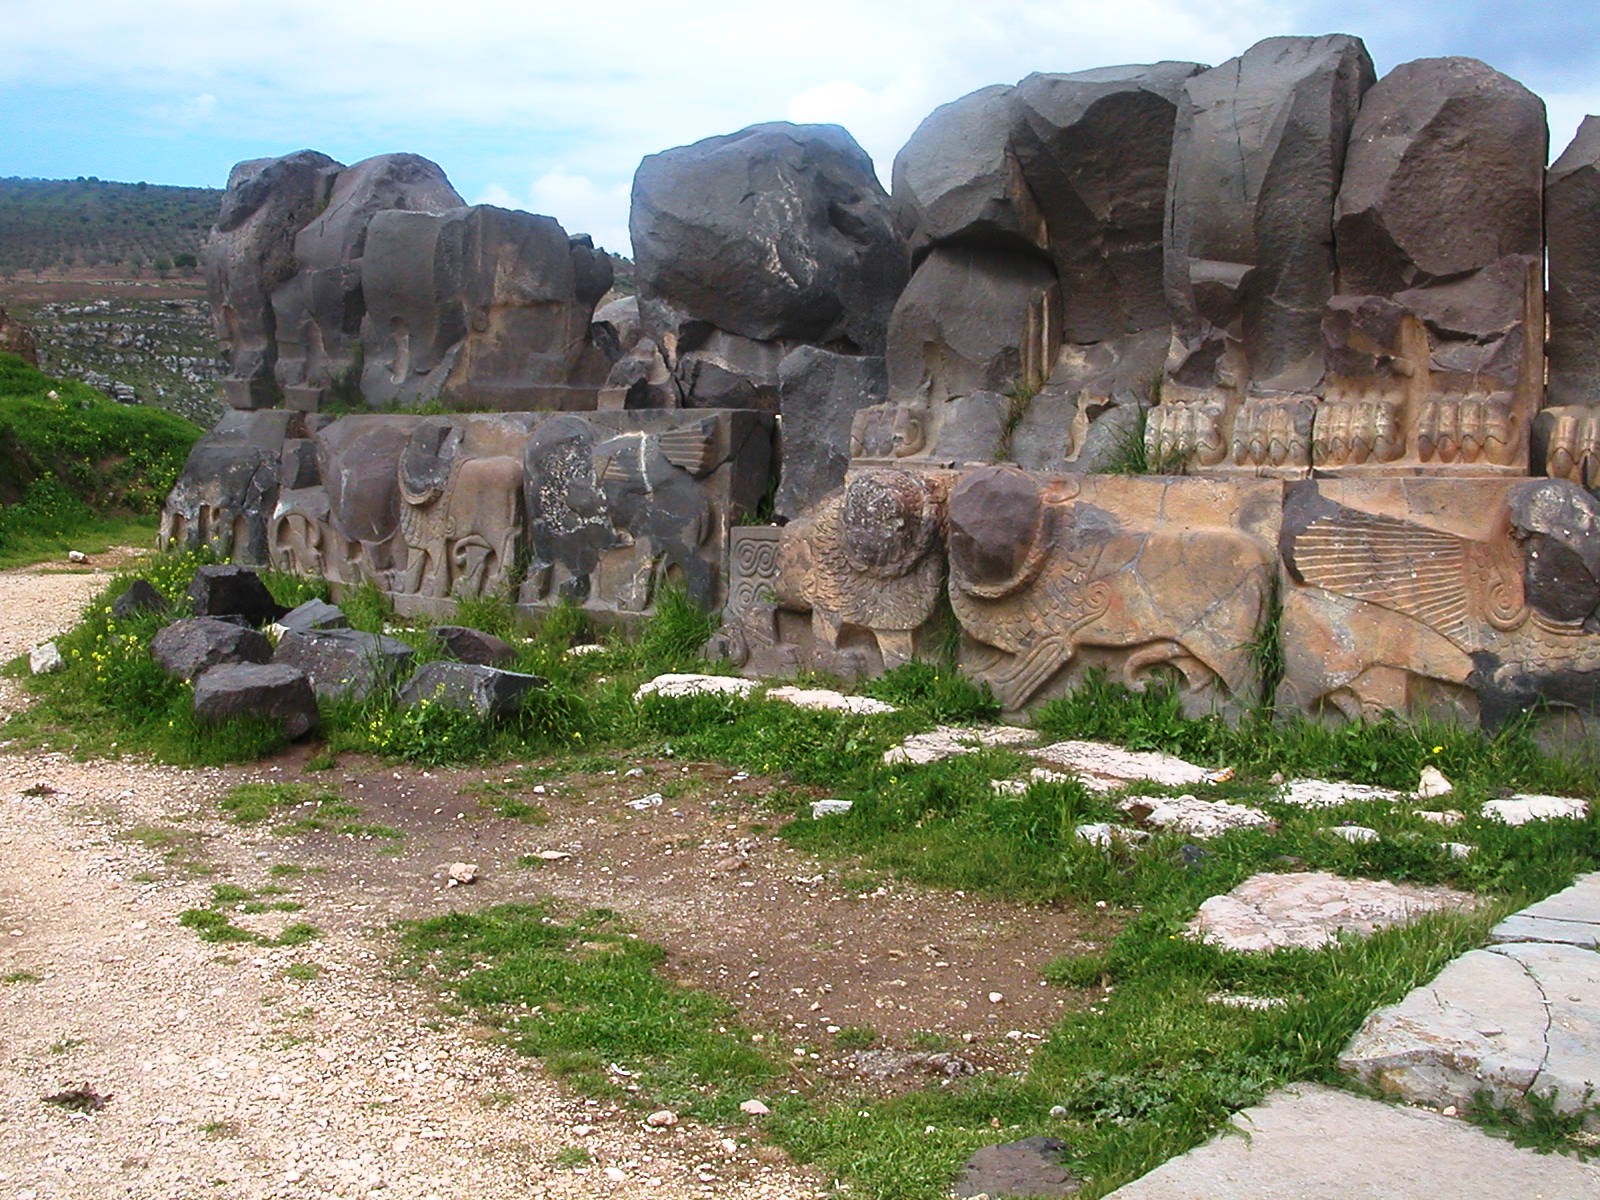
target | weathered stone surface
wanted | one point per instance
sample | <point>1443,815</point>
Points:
<point>1322,793</point>
<point>1515,1020</point>
<point>1102,767</point>
<point>678,685</point>
<point>480,308</point>
<point>819,394</point>
<point>1192,817</point>
<point>249,253</point>
<point>474,646</point>
<point>1570,917</point>
<point>974,318</point>
<point>1519,810</point>
<point>1030,1167</point>
<point>1419,596</point>
<point>192,646</point>
<point>139,597</point>
<point>1316,1143</point>
<point>1572,232</point>
<point>311,616</point>
<point>267,690</point>
<point>1312,909</point>
<point>777,231</point>
<point>1558,526</point>
<point>827,700</point>
<point>318,310</point>
<point>1258,148</point>
<point>222,589</point>
<point>16,338</point>
<point>46,660</point>
<point>948,741</point>
<point>1094,147</point>
<point>488,692</point>
<point>345,663</point>
<point>1051,577</point>
<point>958,180</point>
<point>229,485</point>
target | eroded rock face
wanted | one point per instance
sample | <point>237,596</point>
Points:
<point>1572,227</point>
<point>226,493</point>
<point>16,338</point>
<point>775,232</point>
<point>250,253</point>
<point>1257,155</point>
<point>318,310</point>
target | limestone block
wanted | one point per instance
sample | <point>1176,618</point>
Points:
<point>1053,576</point>
<point>1312,909</point>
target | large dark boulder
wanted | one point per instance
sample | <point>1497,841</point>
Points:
<point>474,646</point>
<point>191,647</point>
<point>485,692</point>
<point>318,310</point>
<point>311,616</point>
<point>250,253</point>
<point>224,590</point>
<point>819,394</point>
<point>271,691</point>
<point>1572,230</point>
<point>480,308</point>
<point>1258,151</point>
<point>140,597</point>
<point>776,232</point>
<point>974,318</point>
<point>345,664</point>
<point>1557,524</point>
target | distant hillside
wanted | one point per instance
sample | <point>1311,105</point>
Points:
<point>141,228</point>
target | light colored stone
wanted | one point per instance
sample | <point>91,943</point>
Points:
<point>1571,917</point>
<point>653,800</point>
<point>676,686</point>
<point>1431,784</point>
<point>1512,1020</point>
<point>1105,835</point>
<point>754,1108</point>
<point>458,874</point>
<point>584,650</point>
<point>1448,816</point>
<point>1239,1000</point>
<point>824,700</point>
<point>1313,909</point>
<point>1519,810</point>
<point>662,1118</point>
<point>1009,787</point>
<point>1105,768</point>
<point>1193,817</point>
<point>1457,849</point>
<point>77,556</point>
<point>830,808</point>
<point>947,741</point>
<point>1323,793</point>
<point>1356,835</point>
<point>46,659</point>
<point>1315,1143</point>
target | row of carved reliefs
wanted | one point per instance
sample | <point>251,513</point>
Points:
<point>600,510</point>
<point>1467,598</point>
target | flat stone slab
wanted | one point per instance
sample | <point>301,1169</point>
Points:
<point>948,741</point>
<point>825,700</point>
<point>1314,909</point>
<point>1323,793</point>
<point>1570,917</point>
<point>673,687</point>
<point>1519,810</point>
<point>1314,1143</point>
<point>1193,817</point>
<point>1513,1019</point>
<point>1104,768</point>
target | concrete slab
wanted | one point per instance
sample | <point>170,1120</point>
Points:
<point>1315,1143</point>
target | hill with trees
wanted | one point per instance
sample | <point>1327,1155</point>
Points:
<point>50,224</point>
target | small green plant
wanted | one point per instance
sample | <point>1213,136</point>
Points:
<point>302,972</point>
<point>855,1037</point>
<point>21,977</point>
<point>570,1157</point>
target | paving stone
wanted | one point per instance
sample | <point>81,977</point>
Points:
<point>829,701</point>
<point>1354,834</point>
<point>1026,1168</point>
<point>1105,768</point>
<point>1315,1143</point>
<point>1192,816</point>
<point>1313,909</point>
<point>1323,793</point>
<point>947,741</point>
<point>677,686</point>
<point>1571,917</point>
<point>1508,1020</point>
<point>1519,810</point>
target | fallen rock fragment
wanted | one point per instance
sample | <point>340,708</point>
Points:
<point>1323,793</point>
<point>1519,810</point>
<point>948,741</point>
<point>46,659</point>
<point>1030,1167</point>
<point>1193,817</point>
<point>825,700</point>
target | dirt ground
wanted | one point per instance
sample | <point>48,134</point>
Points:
<point>89,283</point>
<point>229,1074</point>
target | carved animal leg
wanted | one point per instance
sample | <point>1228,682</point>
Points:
<point>1031,671</point>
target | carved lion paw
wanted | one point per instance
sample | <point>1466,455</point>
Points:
<point>1573,449</point>
<point>1180,433</point>
<point>1268,433</point>
<point>1357,431</point>
<point>1466,429</point>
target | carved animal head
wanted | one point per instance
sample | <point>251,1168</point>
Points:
<point>890,518</point>
<point>1002,523</point>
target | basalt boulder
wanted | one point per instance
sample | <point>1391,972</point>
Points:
<point>191,647</point>
<point>1572,227</point>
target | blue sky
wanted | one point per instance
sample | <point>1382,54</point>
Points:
<point>549,107</point>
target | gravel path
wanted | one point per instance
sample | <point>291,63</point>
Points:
<point>225,1073</point>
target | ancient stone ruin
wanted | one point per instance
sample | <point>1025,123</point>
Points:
<point>1237,376</point>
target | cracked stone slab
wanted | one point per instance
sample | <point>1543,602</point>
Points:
<point>1105,768</point>
<point>1510,1020</point>
<point>1519,810</point>
<point>1571,916</point>
<point>1315,1143</point>
<point>1314,909</point>
<point>1323,793</point>
<point>1193,817</point>
<point>947,741</point>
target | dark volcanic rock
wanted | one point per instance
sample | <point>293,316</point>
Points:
<point>481,308</point>
<point>1572,229</point>
<point>192,646</point>
<point>318,311</point>
<point>819,394</point>
<point>1257,154</point>
<point>140,597</point>
<point>475,646</point>
<point>973,318</point>
<point>1558,526</point>
<point>345,663</point>
<point>249,253</point>
<point>270,690</point>
<point>229,485</point>
<point>957,180</point>
<point>776,232</point>
<point>313,615</point>
<point>1094,147</point>
<point>485,691</point>
<point>226,590</point>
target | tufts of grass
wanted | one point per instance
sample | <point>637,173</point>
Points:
<point>940,693</point>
